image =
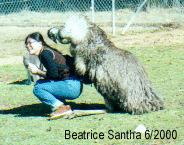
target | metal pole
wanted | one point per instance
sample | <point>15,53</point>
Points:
<point>92,11</point>
<point>113,17</point>
<point>129,23</point>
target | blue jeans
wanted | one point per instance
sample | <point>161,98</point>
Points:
<point>54,93</point>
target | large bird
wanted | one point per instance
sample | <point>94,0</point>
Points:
<point>116,73</point>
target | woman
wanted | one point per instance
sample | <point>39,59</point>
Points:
<point>59,82</point>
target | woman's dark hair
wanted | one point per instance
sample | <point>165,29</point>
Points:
<point>38,37</point>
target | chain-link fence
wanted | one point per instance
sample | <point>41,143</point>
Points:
<point>9,6</point>
<point>52,12</point>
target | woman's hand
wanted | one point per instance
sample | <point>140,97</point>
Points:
<point>33,68</point>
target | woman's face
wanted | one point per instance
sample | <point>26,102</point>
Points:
<point>34,47</point>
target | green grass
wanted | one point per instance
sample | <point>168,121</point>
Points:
<point>24,118</point>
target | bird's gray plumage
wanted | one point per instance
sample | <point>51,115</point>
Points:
<point>116,73</point>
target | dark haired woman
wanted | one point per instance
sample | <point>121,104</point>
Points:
<point>59,81</point>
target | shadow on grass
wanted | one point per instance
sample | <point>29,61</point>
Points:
<point>28,110</point>
<point>23,82</point>
<point>44,110</point>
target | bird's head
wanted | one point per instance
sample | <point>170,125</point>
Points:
<point>53,33</point>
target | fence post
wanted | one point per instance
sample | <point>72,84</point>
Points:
<point>129,23</point>
<point>92,11</point>
<point>113,17</point>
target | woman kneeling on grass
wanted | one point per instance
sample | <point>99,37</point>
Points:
<point>59,81</point>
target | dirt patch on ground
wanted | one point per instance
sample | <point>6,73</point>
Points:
<point>12,40</point>
<point>168,37</point>
<point>11,60</point>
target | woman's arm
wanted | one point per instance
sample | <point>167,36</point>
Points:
<point>48,62</point>
<point>34,70</point>
<point>41,73</point>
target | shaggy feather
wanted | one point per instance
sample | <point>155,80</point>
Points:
<point>76,28</point>
<point>116,73</point>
